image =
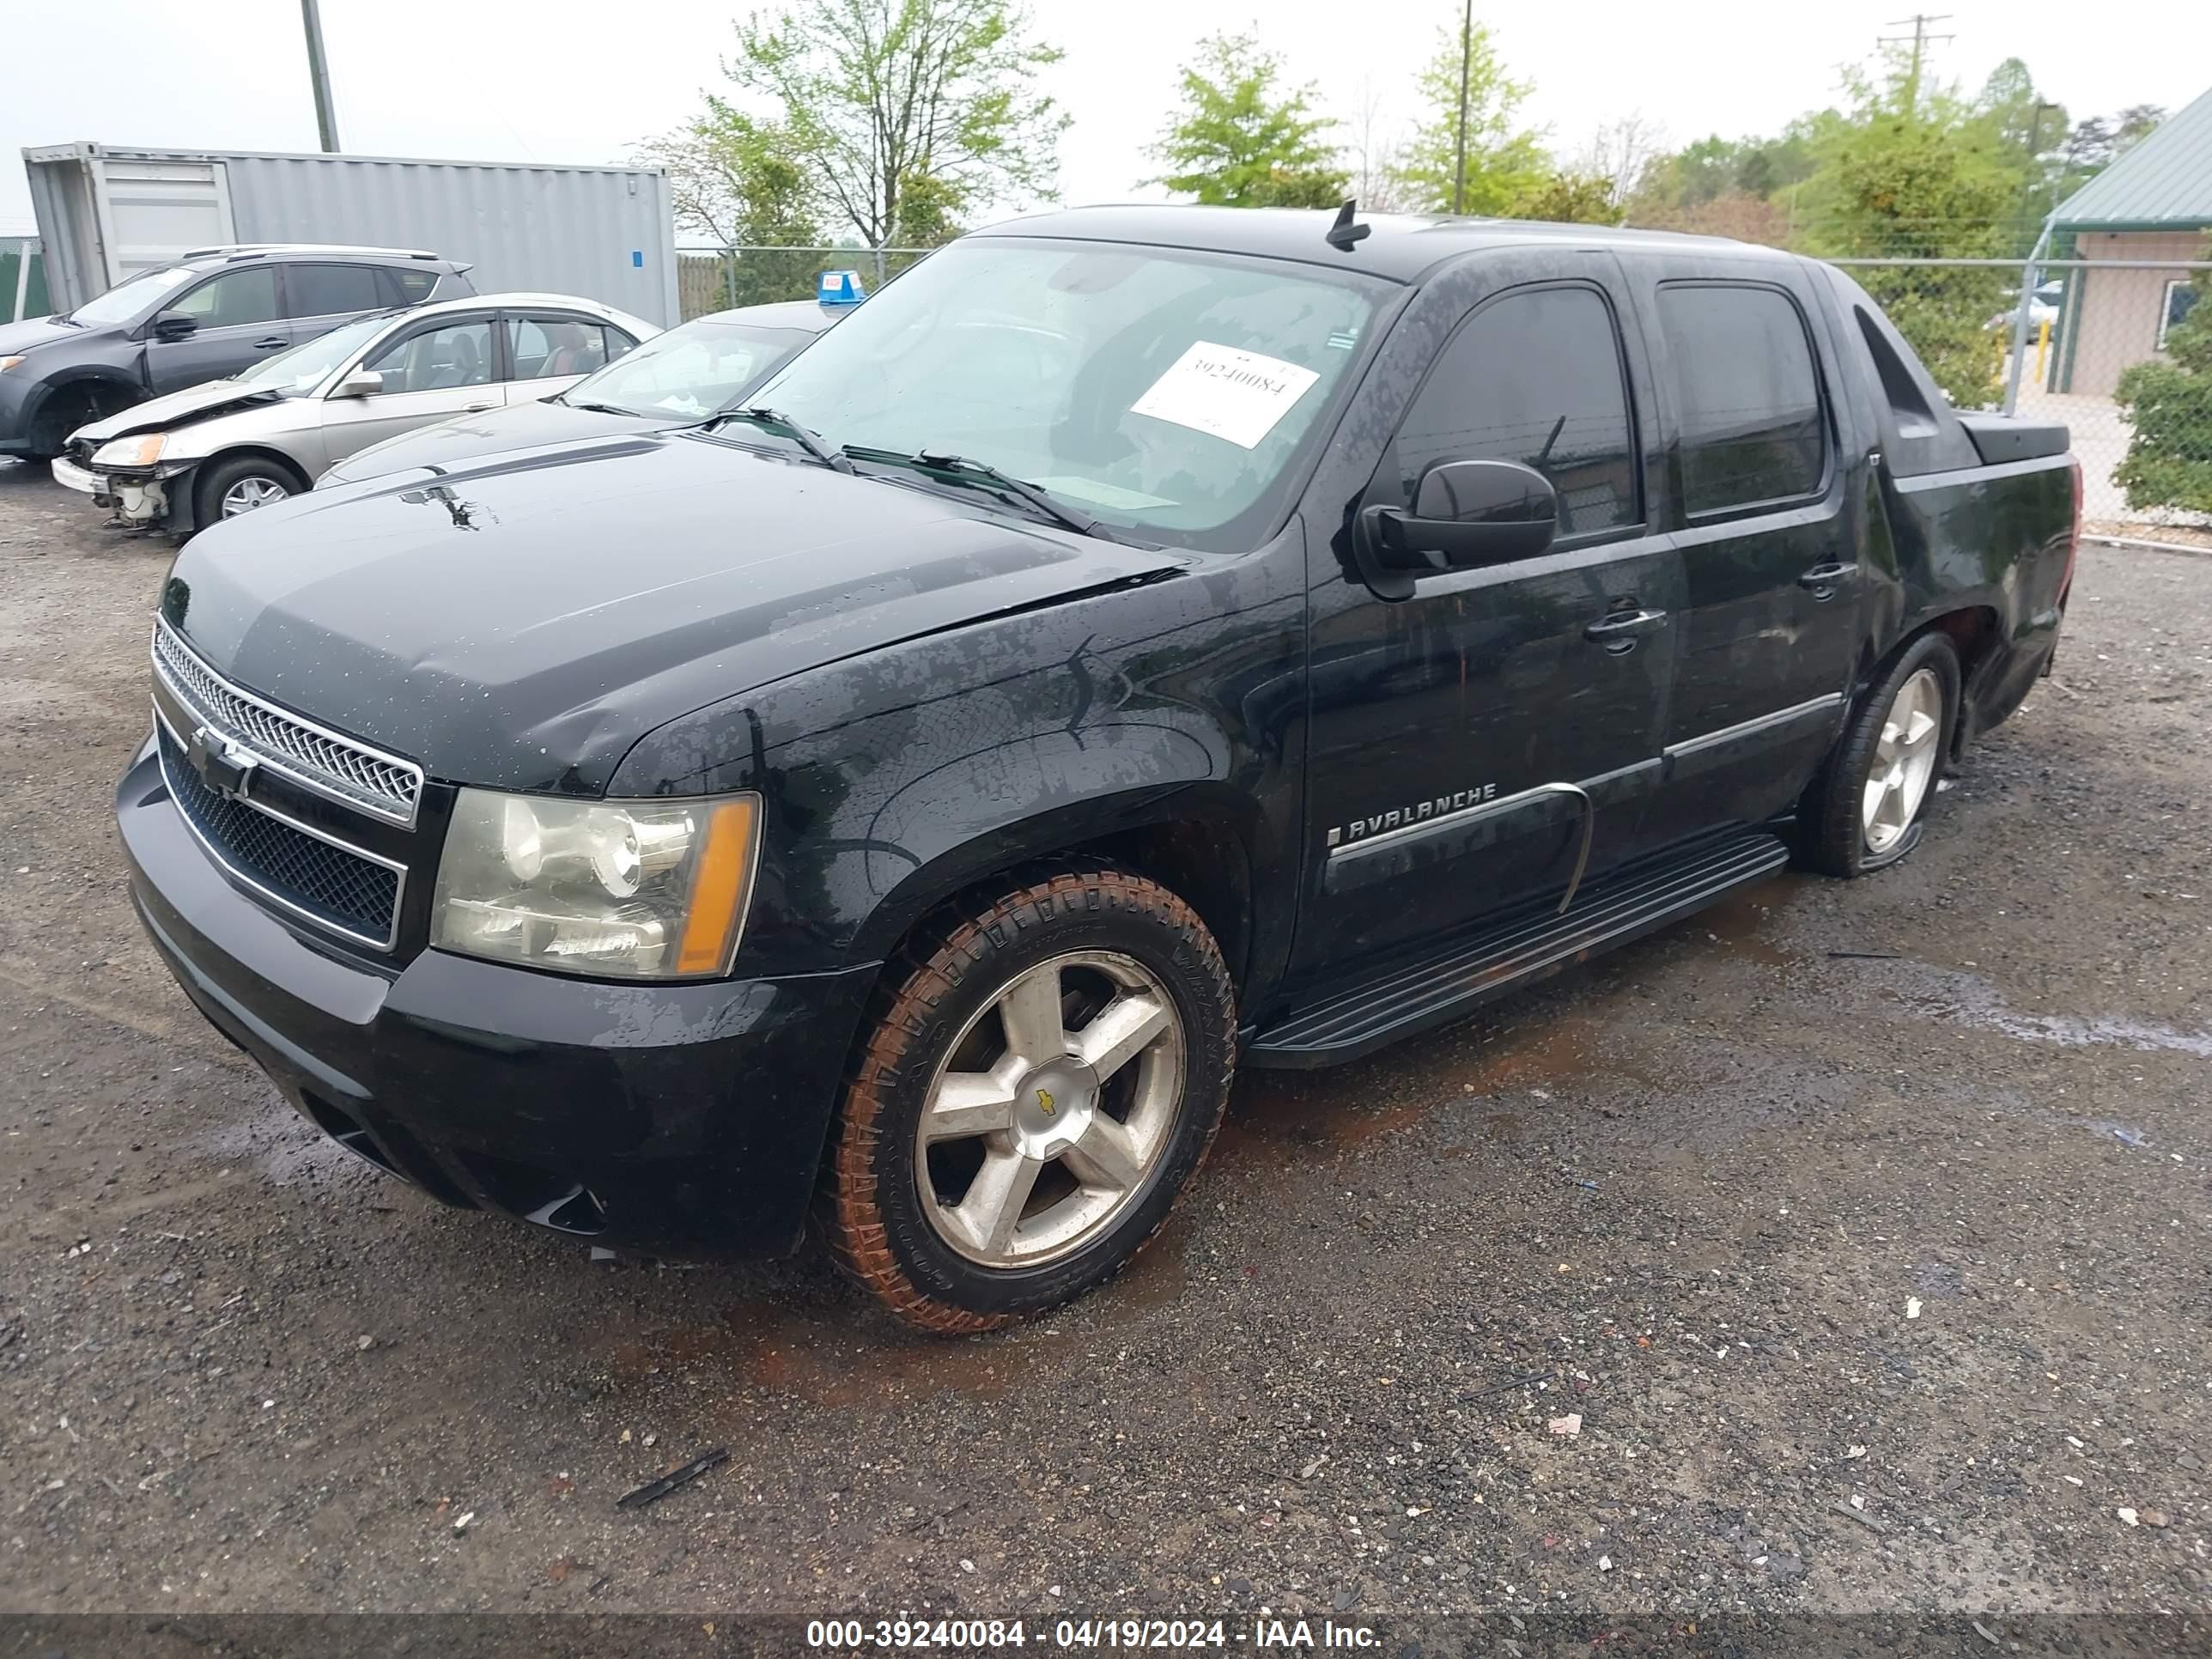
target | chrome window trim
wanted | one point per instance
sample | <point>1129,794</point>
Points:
<point>399,893</point>
<point>289,765</point>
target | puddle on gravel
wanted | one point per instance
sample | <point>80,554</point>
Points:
<point>1967,1000</point>
<point>1739,923</point>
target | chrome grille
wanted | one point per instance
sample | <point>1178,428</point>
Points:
<point>347,890</point>
<point>338,767</point>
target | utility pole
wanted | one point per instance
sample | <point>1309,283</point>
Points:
<point>319,71</point>
<point>1459,154</point>
<point>1920,38</point>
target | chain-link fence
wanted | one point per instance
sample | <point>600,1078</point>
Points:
<point>2103,345</point>
<point>22,280</point>
<point>717,278</point>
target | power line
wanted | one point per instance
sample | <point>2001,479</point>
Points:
<point>1459,154</point>
<point>318,72</point>
<point>1920,38</point>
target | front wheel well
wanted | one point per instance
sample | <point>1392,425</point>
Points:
<point>69,404</point>
<point>1202,860</point>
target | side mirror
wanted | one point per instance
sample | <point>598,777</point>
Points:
<point>174,325</point>
<point>361,383</point>
<point>1466,514</point>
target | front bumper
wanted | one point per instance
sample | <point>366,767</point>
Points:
<point>676,1118</point>
<point>69,475</point>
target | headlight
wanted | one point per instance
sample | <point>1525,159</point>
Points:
<point>143,449</point>
<point>624,889</point>
<point>7,363</point>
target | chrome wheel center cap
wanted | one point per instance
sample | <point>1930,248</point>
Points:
<point>1054,1106</point>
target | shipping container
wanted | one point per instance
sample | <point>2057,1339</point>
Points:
<point>107,212</point>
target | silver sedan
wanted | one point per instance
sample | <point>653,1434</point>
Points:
<point>212,452</point>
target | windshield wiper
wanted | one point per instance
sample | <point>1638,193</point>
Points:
<point>981,474</point>
<point>600,409</point>
<point>774,420</point>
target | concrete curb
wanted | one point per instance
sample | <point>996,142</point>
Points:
<point>2148,547</point>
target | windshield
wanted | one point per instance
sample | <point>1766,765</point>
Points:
<point>126,299</point>
<point>1156,389</point>
<point>307,365</point>
<point>691,371</point>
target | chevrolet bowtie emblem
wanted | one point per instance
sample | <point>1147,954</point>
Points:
<point>222,765</point>
<point>1044,1101</point>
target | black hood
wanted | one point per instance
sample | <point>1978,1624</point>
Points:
<point>521,621</point>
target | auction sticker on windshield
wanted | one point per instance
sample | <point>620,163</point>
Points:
<point>1238,396</point>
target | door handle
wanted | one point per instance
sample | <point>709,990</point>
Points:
<point>270,343</point>
<point>478,408</point>
<point>1823,580</point>
<point>1619,632</point>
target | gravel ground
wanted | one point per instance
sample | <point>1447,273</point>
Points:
<point>1863,1227</point>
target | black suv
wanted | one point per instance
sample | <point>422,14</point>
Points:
<point>215,310</point>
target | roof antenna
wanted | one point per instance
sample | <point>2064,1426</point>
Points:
<point>1343,233</point>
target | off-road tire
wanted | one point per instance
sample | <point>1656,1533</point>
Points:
<point>1831,830</point>
<point>868,1204</point>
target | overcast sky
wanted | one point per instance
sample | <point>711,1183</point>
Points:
<point>560,80</point>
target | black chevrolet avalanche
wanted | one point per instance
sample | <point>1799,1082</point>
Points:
<point>1138,642</point>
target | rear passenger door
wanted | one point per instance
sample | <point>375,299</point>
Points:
<point>1759,510</point>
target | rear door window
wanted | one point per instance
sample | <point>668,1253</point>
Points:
<point>332,291</point>
<point>1748,396</point>
<point>545,347</point>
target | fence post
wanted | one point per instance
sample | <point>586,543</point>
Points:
<point>22,278</point>
<point>2020,320</point>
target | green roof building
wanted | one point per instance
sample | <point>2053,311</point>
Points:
<point>2154,203</point>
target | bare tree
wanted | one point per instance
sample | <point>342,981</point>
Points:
<point>1619,150</point>
<point>1376,152</point>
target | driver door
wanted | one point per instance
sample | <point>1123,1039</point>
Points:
<point>1443,725</point>
<point>441,367</point>
<point>238,323</point>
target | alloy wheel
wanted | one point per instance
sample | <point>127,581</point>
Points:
<point>1903,762</point>
<point>1049,1113</point>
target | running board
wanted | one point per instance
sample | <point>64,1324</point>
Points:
<point>1414,996</point>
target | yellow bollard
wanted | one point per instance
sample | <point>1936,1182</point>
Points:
<point>2042,345</point>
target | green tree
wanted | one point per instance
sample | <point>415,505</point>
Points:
<point>1909,189</point>
<point>1569,198</point>
<point>734,179</point>
<point>875,96</point>
<point>1505,161</point>
<point>1236,141</point>
<point>2169,406</point>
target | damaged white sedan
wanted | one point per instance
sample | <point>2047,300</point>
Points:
<point>212,452</point>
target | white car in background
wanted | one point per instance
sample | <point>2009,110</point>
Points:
<point>213,451</point>
<point>694,372</point>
